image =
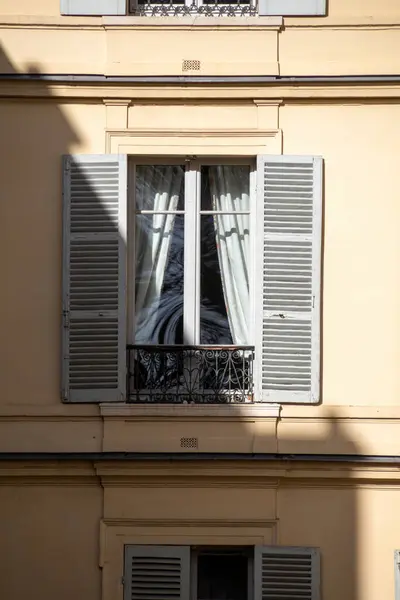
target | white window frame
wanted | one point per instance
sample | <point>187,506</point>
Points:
<point>192,259</point>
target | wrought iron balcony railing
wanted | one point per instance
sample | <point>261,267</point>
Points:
<point>190,374</point>
<point>207,8</point>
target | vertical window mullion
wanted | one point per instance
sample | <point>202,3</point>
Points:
<point>191,242</point>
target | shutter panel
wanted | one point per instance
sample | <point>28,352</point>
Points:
<point>286,573</point>
<point>290,199</point>
<point>397,574</point>
<point>294,8</point>
<point>157,573</point>
<point>93,7</point>
<point>94,274</point>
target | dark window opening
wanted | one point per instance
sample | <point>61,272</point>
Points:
<point>222,575</point>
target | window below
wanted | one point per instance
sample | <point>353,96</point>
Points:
<point>230,573</point>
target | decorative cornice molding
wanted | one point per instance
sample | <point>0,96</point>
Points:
<point>174,523</point>
<point>117,101</point>
<point>187,133</point>
<point>236,412</point>
<point>81,92</point>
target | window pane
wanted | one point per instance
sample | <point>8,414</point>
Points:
<point>225,187</point>
<point>159,279</point>
<point>159,240</point>
<point>224,259</point>
<point>160,187</point>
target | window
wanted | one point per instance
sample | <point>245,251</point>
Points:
<point>196,285</point>
<point>192,253</point>
<point>192,7</point>
<point>231,573</point>
<point>191,256</point>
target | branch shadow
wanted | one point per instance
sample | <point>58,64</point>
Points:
<point>42,525</point>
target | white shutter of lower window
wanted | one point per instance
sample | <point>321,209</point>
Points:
<point>94,278</point>
<point>157,573</point>
<point>92,7</point>
<point>289,201</point>
<point>286,573</point>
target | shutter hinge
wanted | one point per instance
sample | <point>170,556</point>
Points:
<point>122,580</point>
<point>65,319</point>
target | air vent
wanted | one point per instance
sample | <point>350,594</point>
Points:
<point>189,442</point>
<point>191,65</point>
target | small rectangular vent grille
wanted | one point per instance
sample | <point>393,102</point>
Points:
<point>287,577</point>
<point>156,578</point>
<point>189,442</point>
<point>191,65</point>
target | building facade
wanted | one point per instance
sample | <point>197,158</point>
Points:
<point>199,391</point>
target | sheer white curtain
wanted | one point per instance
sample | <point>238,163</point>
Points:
<point>229,186</point>
<point>158,188</point>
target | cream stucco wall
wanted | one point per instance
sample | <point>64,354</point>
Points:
<point>63,524</point>
<point>361,292</point>
<point>60,538</point>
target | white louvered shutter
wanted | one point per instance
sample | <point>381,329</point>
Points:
<point>289,203</point>
<point>286,573</point>
<point>157,573</point>
<point>397,574</point>
<point>94,274</point>
<point>93,7</point>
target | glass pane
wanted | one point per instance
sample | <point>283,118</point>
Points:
<point>225,187</point>
<point>159,244</point>
<point>224,259</point>
<point>160,187</point>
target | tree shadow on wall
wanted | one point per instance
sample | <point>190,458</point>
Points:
<point>310,507</point>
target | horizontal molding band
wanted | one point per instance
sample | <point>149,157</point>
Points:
<point>197,456</point>
<point>204,79</point>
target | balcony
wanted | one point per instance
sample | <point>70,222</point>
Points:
<point>190,374</point>
<point>205,8</point>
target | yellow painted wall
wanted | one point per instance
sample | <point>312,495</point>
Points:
<point>49,541</point>
<point>64,528</point>
<point>337,8</point>
<point>69,541</point>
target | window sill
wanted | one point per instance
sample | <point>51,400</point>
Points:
<point>269,23</point>
<point>231,411</point>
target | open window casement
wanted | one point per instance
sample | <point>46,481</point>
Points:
<point>157,572</point>
<point>288,573</point>
<point>94,278</point>
<point>287,295</point>
<point>93,7</point>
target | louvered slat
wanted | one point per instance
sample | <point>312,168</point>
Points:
<point>94,278</point>
<point>290,191</point>
<point>157,573</point>
<point>286,573</point>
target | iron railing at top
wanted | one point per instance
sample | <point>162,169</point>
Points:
<point>207,8</point>
<point>190,374</point>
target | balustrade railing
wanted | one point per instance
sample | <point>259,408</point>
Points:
<point>190,374</point>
